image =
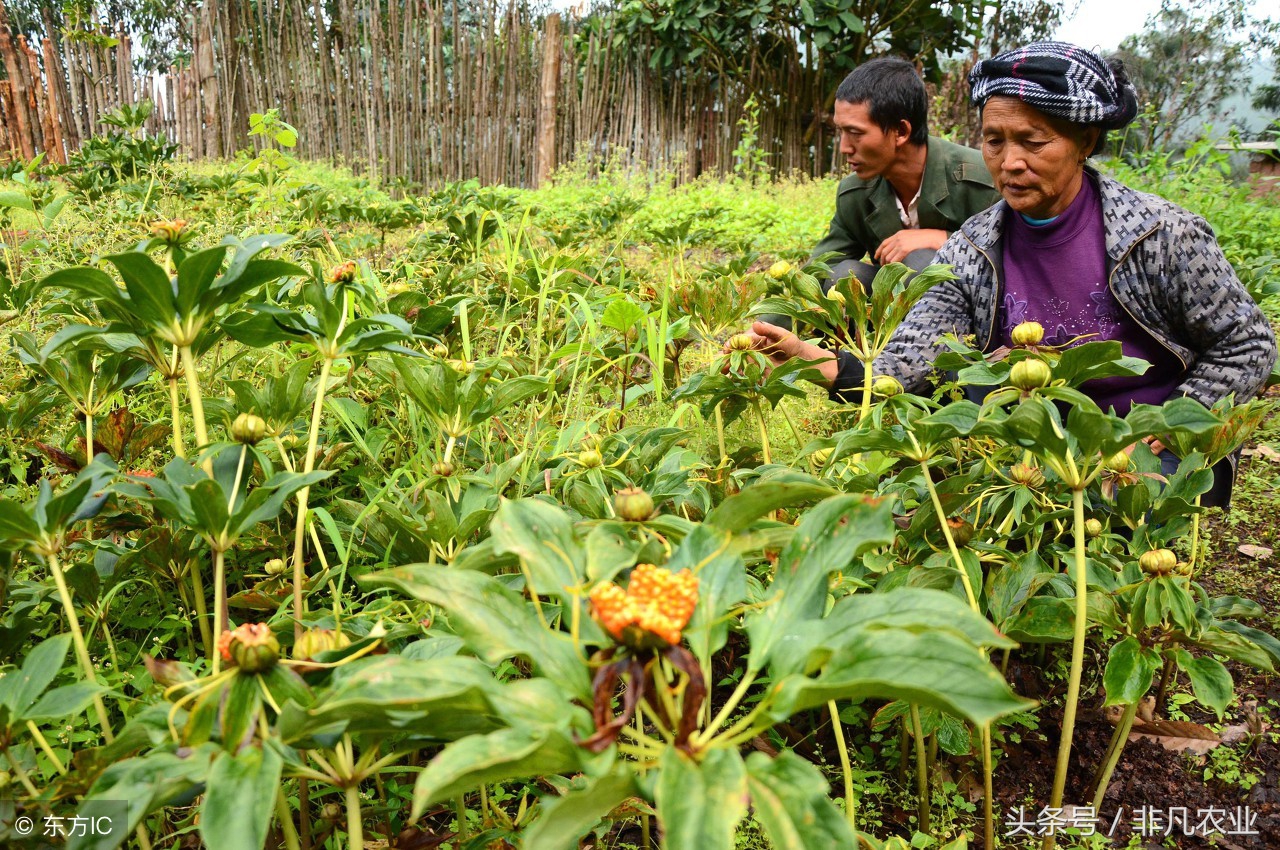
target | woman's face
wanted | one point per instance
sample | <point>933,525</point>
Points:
<point>1037,161</point>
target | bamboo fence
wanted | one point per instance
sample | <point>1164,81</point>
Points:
<point>419,92</point>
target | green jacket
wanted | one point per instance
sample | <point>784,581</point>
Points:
<point>956,186</point>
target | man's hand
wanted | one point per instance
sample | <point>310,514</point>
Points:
<point>896,247</point>
<point>780,345</point>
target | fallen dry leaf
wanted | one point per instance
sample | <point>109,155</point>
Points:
<point>1177,736</point>
<point>1258,553</point>
<point>1262,451</point>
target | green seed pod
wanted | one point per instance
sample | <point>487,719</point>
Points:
<point>1028,333</point>
<point>1118,462</point>
<point>1030,374</point>
<point>443,468</point>
<point>1158,562</point>
<point>821,456</point>
<point>779,269</point>
<point>1027,475</point>
<point>741,342</point>
<point>886,386</point>
<point>248,429</point>
<point>1092,528</point>
<point>440,350</point>
<point>312,642</point>
<point>590,459</point>
<point>275,567</point>
<point>254,648</point>
<point>633,504</point>
<point>961,531</point>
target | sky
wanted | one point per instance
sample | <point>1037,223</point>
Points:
<point>1104,23</point>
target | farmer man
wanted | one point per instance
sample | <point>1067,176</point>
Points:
<point>909,191</point>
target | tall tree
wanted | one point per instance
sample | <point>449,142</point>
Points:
<point>1188,61</point>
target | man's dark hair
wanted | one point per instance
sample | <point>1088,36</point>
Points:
<point>893,92</point>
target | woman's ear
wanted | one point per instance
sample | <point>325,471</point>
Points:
<point>1089,141</point>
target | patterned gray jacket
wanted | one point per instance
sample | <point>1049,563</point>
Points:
<point>1164,266</point>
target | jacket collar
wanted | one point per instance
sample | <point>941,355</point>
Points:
<point>1127,217</point>
<point>884,219</point>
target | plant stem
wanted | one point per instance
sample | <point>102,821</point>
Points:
<point>946,532</point>
<point>197,404</point>
<point>355,821</point>
<point>1118,740</point>
<point>864,409</point>
<point>44,745</point>
<point>1077,662</point>
<point>988,791</point>
<point>22,773</point>
<point>286,822</point>
<point>460,810</point>
<point>922,770</point>
<point>846,768</point>
<point>202,610</point>
<point>764,431</point>
<point>724,455</point>
<point>299,533</point>
<point>1163,689</point>
<point>77,638</point>
<point>219,607</point>
<point>1195,537</point>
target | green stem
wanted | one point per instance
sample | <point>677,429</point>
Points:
<point>202,610</point>
<point>77,638</point>
<point>1077,663</point>
<point>299,532</point>
<point>734,699</point>
<point>286,822</point>
<point>724,455</point>
<point>846,767</point>
<point>922,770</point>
<point>219,607</point>
<point>197,403</point>
<point>44,745</point>
<point>1195,538</point>
<point>946,532</point>
<point>988,792</point>
<point>764,431</point>
<point>355,821</point>
<point>460,809</point>
<point>1118,740</point>
<point>864,410</point>
<point>22,774</point>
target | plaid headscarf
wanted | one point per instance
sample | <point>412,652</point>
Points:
<point>1061,80</point>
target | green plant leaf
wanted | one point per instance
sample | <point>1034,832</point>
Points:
<point>240,798</point>
<point>792,800</point>
<point>500,756</point>
<point>700,803</point>
<point>566,820</point>
<point>1129,672</point>
<point>1210,680</point>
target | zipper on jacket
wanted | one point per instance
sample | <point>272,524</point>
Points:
<point>995,302</point>
<point>1111,288</point>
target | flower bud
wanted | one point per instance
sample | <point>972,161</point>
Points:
<point>590,459</point>
<point>886,386</point>
<point>821,456</point>
<point>1028,333</point>
<point>1092,528</point>
<point>633,504</point>
<point>1027,475</point>
<point>961,531</point>
<point>252,647</point>
<point>1118,462</point>
<point>440,350</point>
<point>1030,374</point>
<point>741,342</point>
<point>331,812</point>
<point>312,642</point>
<point>344,272</point>
<point>1158,562</point>
<point>169,231</point>
<point>274,567</point>
<point>443,468</point>
<point>248,429</point>
<point>779,269</point>
<point>462,367</point>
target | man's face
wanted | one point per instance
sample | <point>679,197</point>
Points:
<point>868,149</point>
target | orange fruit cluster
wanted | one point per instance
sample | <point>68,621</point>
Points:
<point>657,602</point>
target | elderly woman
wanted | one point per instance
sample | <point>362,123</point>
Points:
<point>1075,251</point>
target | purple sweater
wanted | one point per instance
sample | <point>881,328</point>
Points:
<point>1056,274</point>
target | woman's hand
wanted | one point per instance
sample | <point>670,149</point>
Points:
<point>780,345</point>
